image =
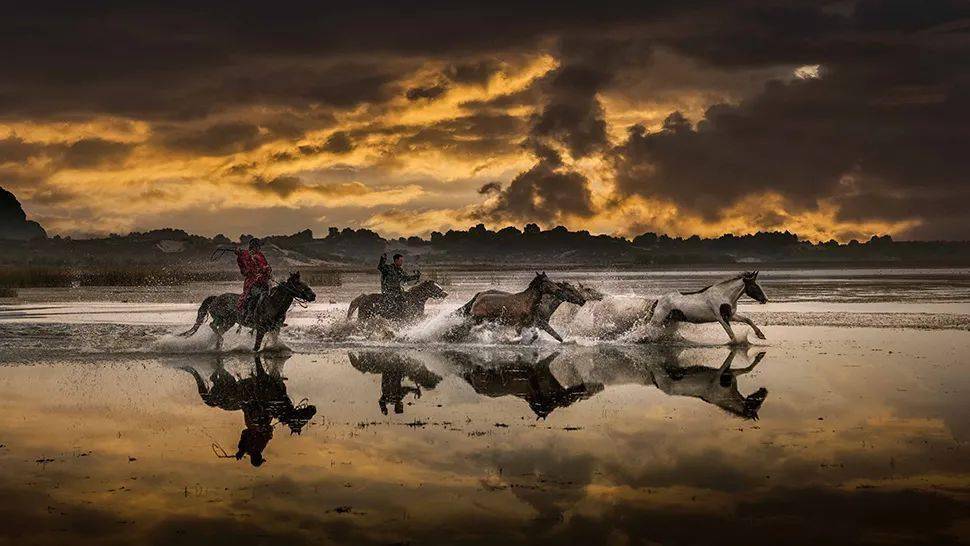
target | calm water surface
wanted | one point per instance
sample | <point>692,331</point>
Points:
<point>846,429</point>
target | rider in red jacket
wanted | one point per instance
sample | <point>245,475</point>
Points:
<point>256,270</point>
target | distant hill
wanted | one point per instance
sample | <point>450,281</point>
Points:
<point>13,220</point>
<point>473,248</point>
<point>28,245</point>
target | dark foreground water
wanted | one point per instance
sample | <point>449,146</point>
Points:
<point>859,437</point>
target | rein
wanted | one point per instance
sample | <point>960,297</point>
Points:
<point>296,297</point>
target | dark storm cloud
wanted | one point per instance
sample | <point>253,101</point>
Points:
<point>219,139</point>
<point>475,72</point>
<point>93,152</point>
<point>882,132</point>
<point>429,93</point>
<point>879,133</point>
<point>479,134</point>
<point>83,153</point>
<point>338,143</point>
<point>491,187</point>
<point>544,193</point>
<point>14,149</point>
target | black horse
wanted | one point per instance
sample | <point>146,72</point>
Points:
<point>268,317</point>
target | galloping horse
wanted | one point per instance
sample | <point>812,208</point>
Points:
<point>371,305</point>
<point>267,318</point>
<point>549,302</point>
<point>523,309</point>
<point>715,303</point>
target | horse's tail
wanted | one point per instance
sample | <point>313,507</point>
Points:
<point>199,382</point>
<point>203,311</point>
<point>354,305</point>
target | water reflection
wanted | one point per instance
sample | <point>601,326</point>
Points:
<point>561,379</point>
<point>530,379</point>
<point>394,368</point>
<point>261,397</point>
<point>717,386</point>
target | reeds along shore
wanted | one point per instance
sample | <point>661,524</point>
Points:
<point>54,277</point>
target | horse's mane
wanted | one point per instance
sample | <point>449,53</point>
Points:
<point>708,287</point>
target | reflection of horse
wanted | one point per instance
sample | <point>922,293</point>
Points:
<point>268,317</point>
<point>715,303</point>
<point>371,305</point>
<point>262,397</point>
<point>718,386</point>
<point>531,381</point>
<point>522,309</point>
<point>394,368</point>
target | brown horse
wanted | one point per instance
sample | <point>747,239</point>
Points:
<point>523,309</point>
<point>372,305</point>
<point>549,302</point>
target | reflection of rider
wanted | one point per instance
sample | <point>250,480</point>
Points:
<point>262,397</point>
<point>256,270</point>
<point>394,369</point>
<point>392,276</point>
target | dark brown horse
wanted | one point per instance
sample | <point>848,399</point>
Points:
<point>378,305</point>
<point>524,309</point>
<point>549,302</point>
<point>268,317</point>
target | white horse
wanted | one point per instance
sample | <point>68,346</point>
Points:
<point>716,303</point>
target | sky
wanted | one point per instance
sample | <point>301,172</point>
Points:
<point>829,119</point>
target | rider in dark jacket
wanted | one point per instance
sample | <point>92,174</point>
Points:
<point>391,278</point>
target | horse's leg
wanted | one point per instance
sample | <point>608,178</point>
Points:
<point>727,328</point>
<point>549,329</point>
<point>259,340</point>
<point>738,317</point>
<point>755,362</point>
<point>274,338</point>
<point>217,328</point>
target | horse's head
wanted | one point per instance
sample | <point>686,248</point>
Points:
<point>590,293</point>
<point>299,417</point>
<point>432,290</point>
<point>570,293</point>
<point>299,288</point>
<point>543,285</point>
<point>752,288</point>
<point>752,403</point>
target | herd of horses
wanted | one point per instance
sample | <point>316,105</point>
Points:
<point>527,310</point>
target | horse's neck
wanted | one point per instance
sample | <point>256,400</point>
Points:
<point>281,299</point>
<point>731,290</point>
<point>531,294</point>
<point>550,304</point>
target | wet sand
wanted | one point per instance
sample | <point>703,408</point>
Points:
<point>860,436</point>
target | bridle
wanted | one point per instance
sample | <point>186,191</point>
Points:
<point>300,300</point>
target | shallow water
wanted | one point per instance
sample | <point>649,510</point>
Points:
<point>859,437</point>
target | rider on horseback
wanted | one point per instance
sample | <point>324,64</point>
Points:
<point>391,278</point>
<point>257,272</point>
